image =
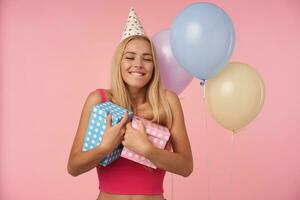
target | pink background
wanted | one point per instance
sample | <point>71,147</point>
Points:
<point>53,53</point>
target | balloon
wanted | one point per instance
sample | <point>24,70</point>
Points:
<point>202,39</point>
<point>235,96</point>
<point>174,77</point>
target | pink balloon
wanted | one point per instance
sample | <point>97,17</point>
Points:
<point>174,77</point>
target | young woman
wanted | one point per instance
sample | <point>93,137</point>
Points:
<point>135,85</point>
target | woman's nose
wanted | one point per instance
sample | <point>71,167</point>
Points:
<point>138,63</point>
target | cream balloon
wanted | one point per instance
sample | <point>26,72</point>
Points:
<point>235,96</point>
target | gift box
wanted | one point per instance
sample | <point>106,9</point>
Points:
<point>97,125</point>
<point>158,136</point>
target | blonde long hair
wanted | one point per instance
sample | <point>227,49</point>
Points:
<point>155,92</point>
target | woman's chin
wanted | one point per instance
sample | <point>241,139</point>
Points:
<point>135,85</point>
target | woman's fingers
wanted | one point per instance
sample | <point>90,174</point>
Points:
<point>108,121</point>
<point>123,130</point>
<point>124,119</point>
<point>128,125</point>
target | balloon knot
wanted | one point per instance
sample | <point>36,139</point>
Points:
<point>202,82</point>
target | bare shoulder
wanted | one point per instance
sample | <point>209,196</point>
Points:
<point>94,97</point>
<point>176,109</point>
<point>172,99</point>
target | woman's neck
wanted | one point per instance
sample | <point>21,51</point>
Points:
<point>138,96</point>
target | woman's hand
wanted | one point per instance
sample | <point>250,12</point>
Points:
<point>137,139</point>
<point>113,135</point>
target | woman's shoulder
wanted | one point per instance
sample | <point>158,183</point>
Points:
<point>94,97</point>
<point>171,96</point>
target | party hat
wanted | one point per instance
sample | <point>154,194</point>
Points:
<point>133,25</point>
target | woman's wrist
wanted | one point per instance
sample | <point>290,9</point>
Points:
<point>148,151</point>
<point>103,150</point>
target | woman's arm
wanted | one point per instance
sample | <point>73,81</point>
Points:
<point>180,161</point>
<point>79,161</point>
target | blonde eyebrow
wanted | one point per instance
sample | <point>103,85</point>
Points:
<point>129,52</point>
<point>144,54</point>
<point>147,54</point>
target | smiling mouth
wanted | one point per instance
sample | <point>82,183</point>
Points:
<point>138,74</point>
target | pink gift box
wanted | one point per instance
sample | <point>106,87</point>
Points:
<point>158,136</point>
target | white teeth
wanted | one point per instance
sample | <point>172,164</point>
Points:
<point>136,73</point>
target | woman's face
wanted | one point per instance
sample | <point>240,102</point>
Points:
<point>137,63</point>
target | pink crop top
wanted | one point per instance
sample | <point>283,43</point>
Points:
<point>124,176</point>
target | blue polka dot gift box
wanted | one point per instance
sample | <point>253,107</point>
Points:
<point>96,128</point>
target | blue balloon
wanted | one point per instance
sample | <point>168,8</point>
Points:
<point>202,39</point>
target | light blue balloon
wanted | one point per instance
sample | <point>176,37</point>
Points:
<point>202,39</point>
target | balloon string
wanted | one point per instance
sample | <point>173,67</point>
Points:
<point>207,150</point>
<point>204,93</point>
<point>230,196</point>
